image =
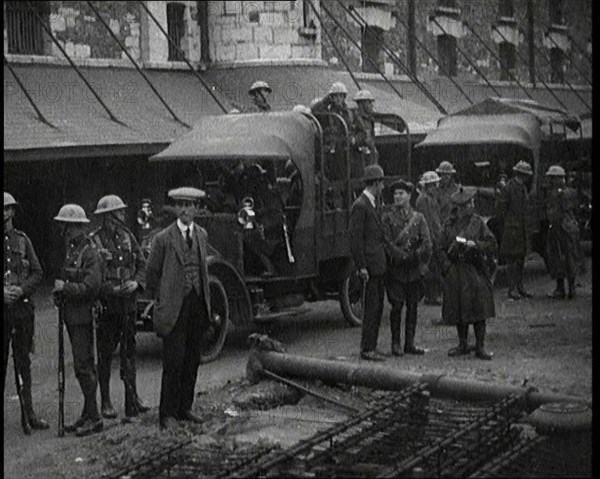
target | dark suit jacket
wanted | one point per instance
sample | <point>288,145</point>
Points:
<point>366,237</point>
<point>165,276</point>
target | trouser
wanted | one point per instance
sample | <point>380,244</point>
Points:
<point>410,326</point>
<point>463,335</point>
<point>181,358</point>
<point>82,343</point>
<point>117,327</point>
<point>515,268</point>
<point>373,310</point>
<point>433,280</point>
<point>20,317</point>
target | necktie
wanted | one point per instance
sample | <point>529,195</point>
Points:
<point>188,238</point>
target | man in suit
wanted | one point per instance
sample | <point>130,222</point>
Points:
<point>177,277</point>
<point>367,248</point>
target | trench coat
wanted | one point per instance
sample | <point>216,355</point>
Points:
<point>444,197</point>
<point>511,211</point>
<point>468,293</point>
<point>165,275</point>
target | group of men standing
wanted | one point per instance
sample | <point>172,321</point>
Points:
<point>96,296</point>
<point>443,251</point>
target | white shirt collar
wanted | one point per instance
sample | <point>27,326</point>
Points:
<point>369,195</point>
<point>183,228</point>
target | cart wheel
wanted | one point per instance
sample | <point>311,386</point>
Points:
<point>351,299</point>
<point>213,337</point>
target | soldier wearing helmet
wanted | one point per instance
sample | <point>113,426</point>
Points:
<point>427,203</point>
<point>75,293</point>
<point>446,189</point>
<point>124,269</point>
<point>259,93</point>
<point>563,250</point>
<point>511,211</point>
<point>364,133</point>
<point>22,274</point>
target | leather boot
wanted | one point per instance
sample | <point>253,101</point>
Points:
<point>34,421</point>
<point>559,292</point>
<point>520,286</point>
<point>571,293</point>
<point>511,270</point>
<point>410,330</point>
<point>395,322</point>
<point>463,337</point>
<point>480,351</point>
<point>137,401</point>
<point>106,408</point>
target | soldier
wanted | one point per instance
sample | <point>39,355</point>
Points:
<point>177,277</point>
<point>76,293</point>
<point>259,93</point>
<point>124,269</point>
<point>446,189</point>
<point>364,134</point>
<point>427,204</point>
<point>562,248</point>
<point>367,244</point>
<point>467,244</point>
<point>22,273</point>
<point>512,216</point>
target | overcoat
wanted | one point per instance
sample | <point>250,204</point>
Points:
<point>468,294</point>
<point>366,237</point>
<point>511,211</point>
<point>444,195</point>
<point>165,275</point>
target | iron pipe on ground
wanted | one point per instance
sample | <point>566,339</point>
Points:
<point>392,379</point>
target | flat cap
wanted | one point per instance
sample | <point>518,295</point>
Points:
<point>186,193</point>
<point>463,195</point>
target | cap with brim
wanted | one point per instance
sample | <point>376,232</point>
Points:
<point>446,168</point>
<point>401,185</point>
<point>373,173</point>
<point>9,200</point>
<point>524,168</point>
<point>186,193</point>
<point>463,195</point>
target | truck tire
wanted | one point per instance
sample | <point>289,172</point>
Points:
<point>351,299</point>
<point>212,340</point>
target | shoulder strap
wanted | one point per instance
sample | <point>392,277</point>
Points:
<point>411,222</point>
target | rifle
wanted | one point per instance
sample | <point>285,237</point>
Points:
<point>25,424</point>
<point>61,371</point>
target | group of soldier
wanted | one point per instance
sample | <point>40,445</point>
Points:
<point>443,251</point>
<point>102,274</point>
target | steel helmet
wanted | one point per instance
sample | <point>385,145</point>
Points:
<point>523,167</point>
<point>429,177</point>
<point>109,203</point>
<point>338,87</point>
<point>257,85</point>
<point>9,199</point>
<point>556,170</point>
<point>71,214</point>
<point>302,109</point>
<point>364,95</point>
<point>445,167</point>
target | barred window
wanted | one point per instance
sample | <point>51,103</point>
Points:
<point>175,28</point>
<point>25,34</point>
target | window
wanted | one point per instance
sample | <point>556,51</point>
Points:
<point>25,34</point>
<point>506,8</point>
<point>557,74</point>
<point>507,59</point>
<point>175,29</point>
<point>231,8</point>
<point>372,39</point>
<point>446,45</point>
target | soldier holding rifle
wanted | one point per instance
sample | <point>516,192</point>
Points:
<point>124,269</point>
<point>75,294</point>
<point>22,273</point>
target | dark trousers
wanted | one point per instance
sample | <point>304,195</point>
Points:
<point>21,318</point>
<point>433,280</point>
<point>399,294</point>
<point>181,359</point>
<point>117,326</point>
<point>515,268</point>
<point>82,344</point>
<point>373,310</point>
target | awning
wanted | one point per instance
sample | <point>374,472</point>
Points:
<point>517,129</point>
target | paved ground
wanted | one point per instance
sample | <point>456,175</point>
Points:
<point>540,342</point>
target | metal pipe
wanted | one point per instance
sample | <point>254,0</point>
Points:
<point>137,67</point>
<point>382,377</point>
<point>182,55</point>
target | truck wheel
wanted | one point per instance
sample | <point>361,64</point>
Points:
<point>351,299</point>
<point>213,338</point>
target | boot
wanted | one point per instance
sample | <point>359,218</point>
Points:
<point>410,330</point>
<point>76,425</point>
<point>463,337</point>
<point>512,281</point>
<point>520,287</point>
<point>106,408</point>
<point>480,351</point>
<point>572,285</point>
<point>559,292</point>
<point>34,421</point>
<point>89,426</point>
<point>395,321</point>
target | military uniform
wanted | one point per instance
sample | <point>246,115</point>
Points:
<point>122,261</point>
<point>83,276</point>
<point>365,151</point>
<point>21,268</point>
<point>428,205</point>
<point>444,196</point>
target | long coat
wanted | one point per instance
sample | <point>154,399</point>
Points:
<point>165,276</point>
<point>444,195</point>
<point>563,248</point>
<point>366,237</point>
<point>511,211</point>
<point>468,294</point>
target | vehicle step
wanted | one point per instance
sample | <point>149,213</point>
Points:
<point>281,314</point>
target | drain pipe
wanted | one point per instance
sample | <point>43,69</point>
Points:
<point>392,379</point>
